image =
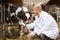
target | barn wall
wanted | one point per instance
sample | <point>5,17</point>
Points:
<point>16,2</point>
<point>34,1</point>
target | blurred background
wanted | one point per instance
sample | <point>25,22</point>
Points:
<point>6,20</point>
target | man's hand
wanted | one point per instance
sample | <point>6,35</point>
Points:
<point>31,34</point>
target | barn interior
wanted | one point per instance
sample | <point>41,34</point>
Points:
<point>8,18</point>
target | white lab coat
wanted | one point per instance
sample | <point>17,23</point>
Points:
<point>44,24</point>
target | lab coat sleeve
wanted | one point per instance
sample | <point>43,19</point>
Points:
<point>40,28</point>
<point>31,25</point>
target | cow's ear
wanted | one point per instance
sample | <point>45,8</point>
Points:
<point>27,15</point>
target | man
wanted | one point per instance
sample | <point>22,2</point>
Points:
<point>44,25</point>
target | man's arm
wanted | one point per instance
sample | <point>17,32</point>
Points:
<point>31,25</point>
<point>40,28</point>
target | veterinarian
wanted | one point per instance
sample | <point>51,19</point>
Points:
<point>44,24</point>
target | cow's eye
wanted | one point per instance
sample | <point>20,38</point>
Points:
<point>27,15</point>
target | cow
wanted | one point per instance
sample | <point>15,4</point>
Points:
<point>18,15</point>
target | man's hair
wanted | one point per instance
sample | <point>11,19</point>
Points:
<point>38,6</point>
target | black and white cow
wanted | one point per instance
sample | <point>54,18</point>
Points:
<point>18,15</point>
<point>20,12</point>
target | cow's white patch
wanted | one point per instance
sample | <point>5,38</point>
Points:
<point>18,10</point>
<point>12,14</point>
<point>21,23</point>
<point>33,15</point>
<point>9,28</point>
<point>25,9</point>
<point>27,15</point>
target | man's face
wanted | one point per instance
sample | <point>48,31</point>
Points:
<point>36,11</point>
